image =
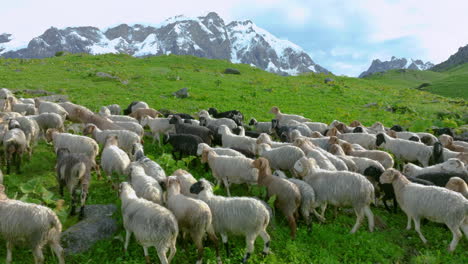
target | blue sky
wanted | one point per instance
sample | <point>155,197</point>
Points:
<point>343,36</point>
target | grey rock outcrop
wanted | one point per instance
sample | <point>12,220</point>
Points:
<point>460,57</point>
<point>395,63</point>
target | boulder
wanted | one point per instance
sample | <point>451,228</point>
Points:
<point>328,80</point>
<point>231,71</point>
<point>182,93</point>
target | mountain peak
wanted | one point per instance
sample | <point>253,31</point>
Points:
<point>396,63</point>
<point>5,37</point>
<point>460,57</point>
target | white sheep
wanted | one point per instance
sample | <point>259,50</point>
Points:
<point>126,138</point>
<point>361,163</point>
<point>152,224</point>
<point>144,185</point>
<point>28,109</point>
<point>219,151</point>
<point>114,109</point>
<point>339,188</point>
<point>452,165</point>
<point>261,127</point>
<point>50,107</point>
<point>312,151</point>
<point>237,216</point>
<point>157,126</point>
<point>367,141</point>
<point>284,118</point>
<point>131,126</point>
<point>208,120</point>
<point>74,143</point>
<point>152,168</point>
<point>405,149</point>
<point>186,180</point>
<point>381,156</point>
<point>114,159</point>
<point>230,140</point>
<point>316,126</point>
<point>48,120</point>
<point>281,158</point>
<point>431,202</point>
<point>265,138</point>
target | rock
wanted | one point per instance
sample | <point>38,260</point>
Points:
<point>182,93</point>
<point>327,80</point>
<point>105,75</point>
<point>96,225</point>
<point>55,98</point>
<point>231,71</point>
<point>370,104</point>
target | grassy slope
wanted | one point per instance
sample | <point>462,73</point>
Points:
<point>153,79</point>
<point>450,83</point>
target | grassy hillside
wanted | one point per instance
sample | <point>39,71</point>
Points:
<point>450,83</point>
<point>254,92</point>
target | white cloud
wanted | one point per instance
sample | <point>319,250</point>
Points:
<point>348,69</point>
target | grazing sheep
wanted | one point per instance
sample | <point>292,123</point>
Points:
<point>236,215</point>
<point>230,140</point>
<point>219,151</point>
<point>265,138</point>
<point>405,149</point>
<point>450,166</point>
<point>151,168</point>
<point>288,196</point>
<point>134,106</point>
<point>152,224</point>
<point>186,180</point>
<point>114,109</point>
<point>316,126</point>
<point>75,112</point>
<point>5,93</point>
<point>284,118</point>
<point>381,156</point>
<point>145,186</point>
<point>36,224</point>
<point>74,172</point>
<point>339,188</point>
<point>431,202</point>
<point>338,151</point>
<point>374,173</point>
<point>235,115</point>
<point>447,142</point>
<point>367,141</point>
<point>427,138</point>
<point>361,163</point>
<point>157,126</point>
<point>311,151</point>
<point>404,135</point>
<point>139,113</point>
<point>457,184</point>
<point>227,169</point>
<point>131,126</point>
<point>48,120</point>
<point>28,109</point>
<point>15,145</point>
<point>80,114</point>
<point>126,138</point>
<point>441,178</point>
<point>261,127</point>
<point>50,107</point>
<point>114,159</point>
<point>281,158</point>
<point>181,128</point>
<point>185,144</point>
<point>193,216</point>
<point>206,120</point>
<point>31,130</point>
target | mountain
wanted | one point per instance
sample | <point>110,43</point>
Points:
<point>207,36</point>
<point>395,63</point>
<point>460,57</point>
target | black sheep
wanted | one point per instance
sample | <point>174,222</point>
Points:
<point>386,188</point>
<point>235,115</point>
<point>182,128</point>
<point>441,178</point>
<point>183,143</point>
<point>248,133</point>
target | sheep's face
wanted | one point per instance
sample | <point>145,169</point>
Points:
<point>373,172</point>
<point>358,130</point>
<point>333,140</point>
<point>212,111</point>
<point>112,140</point>
<point>274,110</point>
<point>203,113</point>
<point>199,186</point>
<point>445,140</point>
<point>174,120</point>
<point>279,174</point>
<point>284,137</point>
<point>355,123</point>
<point>397,128</point>
<point>263,138</point>
<point>173,184</point>
<point>340,127</point>
<point>260,163</point>
<point>300,166</point>
<point>456,184</point>
<point>316,134</point>
<point>388,176</point>
<point>332,132</point>
<point>452,163</point>
<point>380,139</point>
<point>204,156</point>
<point>414,138</point>
<point>202,120</point>
<point>409,169</point>
<point>200,148</point>
<point>49,134</point>
<point>89,129</point>
<point>252,122</point>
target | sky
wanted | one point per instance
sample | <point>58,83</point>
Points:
<point>342,36</point>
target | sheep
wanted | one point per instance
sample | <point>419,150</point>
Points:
<point>404,135</point>
<point>441,178</point>
<point>139,113</point>
<point>311,151</point>
<point>114,109</point>
<point>427,138</point>
<point>452,165</point>
<point>48,120</point>
<point>261,127</point>
<point>229,170</point>
<point>74,172</point>
<point>151,168</point>
<point>340,126</point>
<point>340,188</point>
<point>191,122</point>
<point>374,173</point>
<point>405,149</point>
<point>431,202</point>
<point>75,111</point>
<point>338,151</point>
<point>157,126</point>
<point>240,130</point>
<point>361,163</point>
<point>308,203</point>
<point>206,119</point>
<point>265,138</point>
<point>37,225</point>
<point>284,118</point>
<point>381,156</point>
<point>304,129</point>
<point>288,196</point>
<point>121,118</point>
<point>204,133</point>
<point>50,107</point>
<point>15,145</point>
<point>114,159</point>
<point>74,143</point>
<point>316,126</point>
<point>458,185</point>
<point>447,142</point>
<point>235,115</point>
<point>229,140</point>
<point>185,144</point>
<point>5,93</point>
<point>236,215</point>
<point>31,130</point>
<point>27,101</point>
<point>367,141</point>
<point>28,109</point>
<point>81,114</point>
<point>131,126</point>
<point>322,142</point>
<point>126,138</point>
<point>283,132</point>
<point>152,224</point>
<point>144,185</point>
<point>134,106</point>
<point>282,158</point>
<point>219,151</point>
<point>193,217</point>
<point>186,180</point>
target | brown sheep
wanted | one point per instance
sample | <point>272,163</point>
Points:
<point>139,113</point>
<point>447,142</point>
<point>288,196</point>
<point>457,184</point>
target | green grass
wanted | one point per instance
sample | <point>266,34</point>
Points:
<point>253,92</point>
<point>450,83</point>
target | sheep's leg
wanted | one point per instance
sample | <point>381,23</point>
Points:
<point>249,240</point>
<point>173,249</point>
<point>198,240</point>
<point>408,225</point>
<point>38,256</point>
<point>58,250</point>
<point>162,256</point>
<point>9,252</point>
<point>395,205</point>
<point>456,237</point>
<point>464,227</point>
<point>147,257</point>
<point>417,227</point>
<point>73,202</point>
<point>98,171</point>
<point>292,226</point>
<point>306,215</point>
<point>128,234</point>
<point>214,239</point>
<point>323,208</point>
<point>370,218</point>
<point>19,159</point>
<point>224,237</point>
<point>84,196</point>
<point>226,184</point>
<point>266,242</point>
<point>319,217</point>
<point>384,201</point>
<point>359,217</point>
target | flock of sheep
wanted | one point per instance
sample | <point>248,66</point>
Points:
<point>329,164</point>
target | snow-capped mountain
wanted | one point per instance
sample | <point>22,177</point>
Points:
<point>207,36</point>
<point>396,63</point>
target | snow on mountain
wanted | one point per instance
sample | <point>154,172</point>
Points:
<point>205,36</point>
<point>396,63</point>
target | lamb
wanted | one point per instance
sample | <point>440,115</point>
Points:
<point>50,107</point>
<point>235,115</point>
<point>151,168</point>
<point>288,196</point>
<point>206,119</point>
<point>374,173</point>
<point>367,141</point>
<point>15,145</point>
<point>139,113</point>
<point>28,109</point>
<point>36,224</point>
<point>452,165</point>
<point>48,120</point>
<point>340,188</point>
<point>405,149</point>
<point>381,156</point>
<point>145,186</point>
<point>134,106</point>
<point>311,151</point>
<point>219,151</point>
<point>74,143</point>
<point>447,142</point>
<point>131,126</point>
<point>229,170</point>
<point>236,215</point>
<point>126,138</point>
<point>114,109</point>
<point>419,201</point>
<point>204,133</point>
<point>282,158</point>
<point>404,135</point>
<point>186,180</point>
<point>114,159</point>
<point>230,140</point>
<point>284,118</point>
<point>338,151</point>
<point>183,143</point>
<point>157,126</point>
<point>261,127</point>
<point>361,163</point>
<point>74,172</point>
<point>193,217</point>
<point>31,130</point>
<point>265,138</point>
<point>458,185</point>
<point>152,224</point>
<point>427,138</point>
<point>316,126</point>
